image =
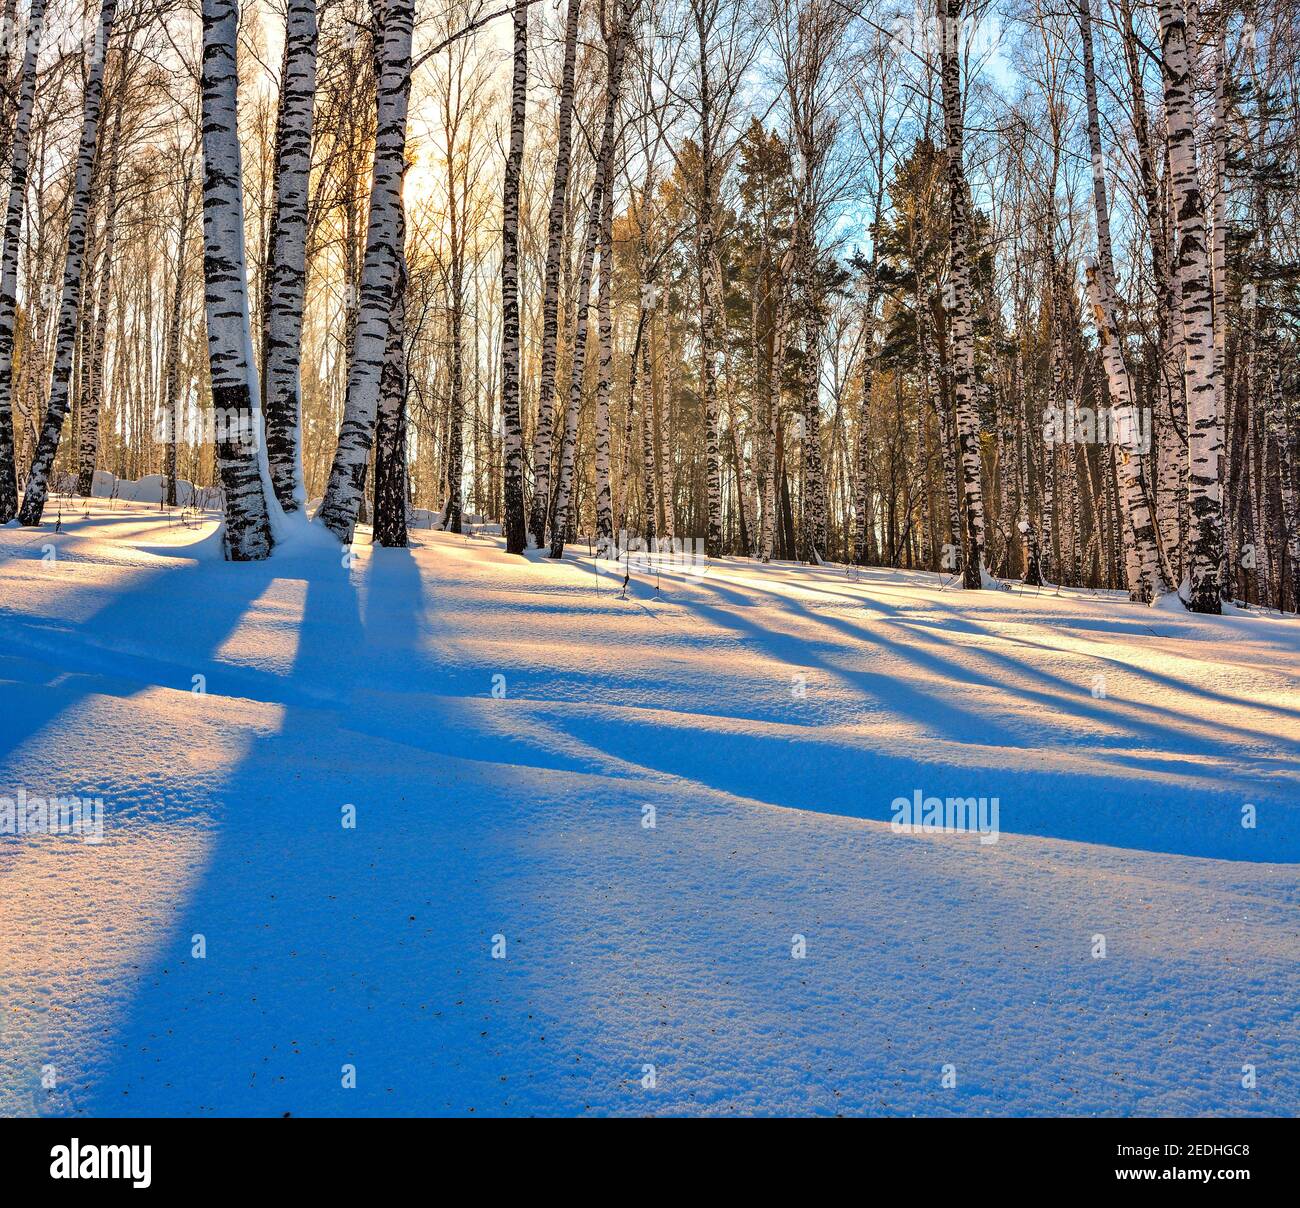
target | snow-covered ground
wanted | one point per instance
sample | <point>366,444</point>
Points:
<point>507,730</point>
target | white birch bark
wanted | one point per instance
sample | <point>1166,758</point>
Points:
<point>1219,250</point>
<point>1167,465</point>
<point>605,331</point>
<point>172,355</point>
<point>775,360</point>
<point>862,467</point>
<point>963,338</point>
<point>604,176</point>
<point>1200,370</point>
<point>664,435</point>
<point>544,433</point>
<point>390,423</point>
<point>928,351</point>
<point>9,258</point>
<point>648,476</point>
<point>511,406</point>
<point>287,267</point>
<point>813,528</point>
<point>708,284</point>
<point>347,479</point>
<point>1276,419</point>
<point>248,532</point>
<point>94,349</point>
<point>56,409</point>
<point>1145,580</point>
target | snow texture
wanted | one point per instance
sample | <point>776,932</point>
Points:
<point>769,715</point>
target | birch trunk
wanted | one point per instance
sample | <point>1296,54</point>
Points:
<point>1201,371</point>
<point>963,339</point>
<point>1168,461</point>
<point>1275,415</point>
<point>390,424</point>
<point>235,400</point>
<point>708,289</point>
<point>662,359</point>
<point>1218,261</point>
<point>648,507</point>
<point>347,480</point>
<point>172,356</point>
<point>287,267</point>
<point>604,176</point>
<point>543,436</point>
<point>1145,580</point>
<point>862,520</point>
<point>56,408</point>
<point>453,512</point>
<point>95,332</point>
<point>9,259</point>
<point>511,409</point>
<point>623,483</point>
<point>605,330</point>
<point>772,420</point>
<point>813,528</point>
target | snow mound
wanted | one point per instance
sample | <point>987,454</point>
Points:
<point>519,839</point>
<point>149,489</point>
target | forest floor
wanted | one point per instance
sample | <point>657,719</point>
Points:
<point>646,800</point>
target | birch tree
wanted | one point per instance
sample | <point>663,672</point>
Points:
<point>56,409</point>
<point>236,408</point>
<point>347,478</point>
<point>287,259</point>
<point>1145,580</point>
<point>96,325</point>
<point>511,366</point>
<point>616,40</point>
<point>963,338</point>
<point>9,257</point>
<point>605,371</point>
<point>1200,369</point>
<point>543,436</point>
<point>390,425</point>
<point>172,353</point>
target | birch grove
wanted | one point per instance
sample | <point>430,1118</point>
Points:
<point>36,491</point>
<point>995,292</point>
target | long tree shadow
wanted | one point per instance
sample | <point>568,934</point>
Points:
<point>339,977</point>
<point>355,883</point>
<point>1078,798</point>
<point>164,632</point>
<point>1069,696</point>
